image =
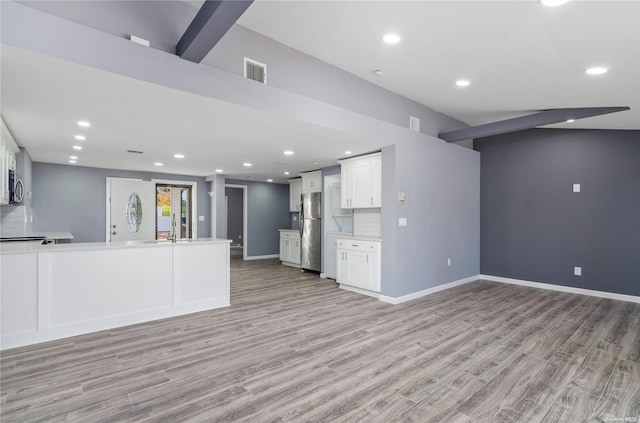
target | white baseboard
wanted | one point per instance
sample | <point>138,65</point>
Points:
<point>268,256</point>
<point>323,276</point>
<point>424,292</point>
<point>360,291</point>
<point>562,288</point>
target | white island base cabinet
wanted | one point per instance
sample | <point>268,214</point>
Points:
<point>64,290</point>
<point>358,266</point>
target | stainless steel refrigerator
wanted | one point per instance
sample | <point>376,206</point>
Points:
<point>311,231</point>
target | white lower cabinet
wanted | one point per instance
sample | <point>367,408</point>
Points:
<point>290,248</point>
<point>358,265</point>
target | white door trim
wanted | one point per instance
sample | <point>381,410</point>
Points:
<point>245,242</point>
<point>194,200</point>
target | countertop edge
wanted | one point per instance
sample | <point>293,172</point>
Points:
<point>87,246</point>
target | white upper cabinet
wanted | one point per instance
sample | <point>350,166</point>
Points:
<point>8,150</point>
<point>295,191</point>
<point>362,182</point>
<point>311,181</point>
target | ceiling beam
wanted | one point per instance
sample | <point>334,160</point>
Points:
<point>212,21</point>
<point>546,117</point>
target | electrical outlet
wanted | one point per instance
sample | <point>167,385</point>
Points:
<point>448,262</point>
<point>200,218</point>
<point>577,271</point>
<point>402,221</point>
<point>576,187</point>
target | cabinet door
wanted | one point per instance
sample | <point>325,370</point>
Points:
<point>346,182</point>
<point>312,182</point>
<point>362,194</point>
<point>284,249</point>
<point>342,268</point>
<point>294,251</point>
<point>376,182</point>
<point>358,269</point>
<point>295,191</point>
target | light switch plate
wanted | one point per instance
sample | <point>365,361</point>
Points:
<point>402,221</point>
<point>576,187</point>
<point>401,196</point>
<point>577,271</point>
<point>200,218</point>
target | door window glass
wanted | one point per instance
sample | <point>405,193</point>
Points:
<point>134,213</point>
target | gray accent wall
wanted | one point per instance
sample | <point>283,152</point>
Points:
<point>267,212</point>
<point>73,198</point>
<point>235,215</point>
<point>535,228</point>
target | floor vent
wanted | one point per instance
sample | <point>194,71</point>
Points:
<point>414,123</point>
<point>255,70</point>
<point>134,151</point>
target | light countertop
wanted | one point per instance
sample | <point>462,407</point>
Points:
<point>33,247</point>
<point>363,238</point>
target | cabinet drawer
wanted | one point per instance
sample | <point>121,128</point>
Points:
<point>358,245</point>
<point>290,235</point>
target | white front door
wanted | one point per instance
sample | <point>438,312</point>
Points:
<point>132,211</point>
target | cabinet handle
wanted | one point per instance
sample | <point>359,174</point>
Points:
<point>372,201</point>
<point>367,258</point>
<point>354,245</point>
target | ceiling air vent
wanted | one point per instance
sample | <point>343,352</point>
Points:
<point>255,70</point>
<point>414,123</point>
<point>134,152</point>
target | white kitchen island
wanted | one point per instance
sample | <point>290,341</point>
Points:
<point>55,291</point>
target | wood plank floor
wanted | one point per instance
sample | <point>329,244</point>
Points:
<point>295,348</point>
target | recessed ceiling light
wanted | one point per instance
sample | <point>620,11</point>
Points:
<point>288,153</point>
<point>552,3</point>
<point>570,120</point>
<point>179,156</point>
<point>84,123</point>
<point>391,38</point>
<point>347,152</point>
<point>286,173</point>
<point>73,157</point>
<point>219,170</point>
<point>377,72</point>
<point>269,180</point>
<point>314,162</point>
<point>77,147</point>
<point>463,83</point>
<point>158,164</point>
<point>72,161</point>
<point>596,71</point>
<point>247,164</point>
<point>80,137</point>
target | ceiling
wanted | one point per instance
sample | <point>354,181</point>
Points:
<point>519,56</point>
<point>129,114</point>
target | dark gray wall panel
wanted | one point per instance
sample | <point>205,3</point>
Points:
<point>535,228</point>
<point>267,211</point>
<point>235,215</point>
<point>73,198</point>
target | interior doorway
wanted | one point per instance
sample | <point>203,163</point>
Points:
<point>236,218</point>
<point>173,211</point>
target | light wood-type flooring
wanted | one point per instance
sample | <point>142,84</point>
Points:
<point>295,348</point>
